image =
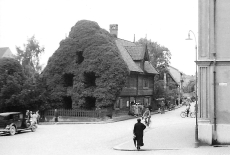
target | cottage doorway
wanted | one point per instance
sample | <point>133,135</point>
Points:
<point>146,101</point>
<point>90,103</point>
<point>67,102</point>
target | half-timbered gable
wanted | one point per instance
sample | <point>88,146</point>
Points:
<point>140,84</point>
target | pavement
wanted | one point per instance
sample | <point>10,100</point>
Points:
<point>173,139</point>
<point>180,136</point>
<point>162,141</point>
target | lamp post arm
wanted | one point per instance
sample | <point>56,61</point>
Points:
<point>194,38</point>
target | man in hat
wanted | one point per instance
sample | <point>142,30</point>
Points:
<point>138,133</point>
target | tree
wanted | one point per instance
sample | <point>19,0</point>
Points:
<point>12,79</point>
<point>29,57</point>
<point>190,87</point>
<point>159,56</point>
<point>17,91</point>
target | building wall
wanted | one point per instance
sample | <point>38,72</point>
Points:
<point>135,86</point>
<point>214,39</point>
<point>135,89</point>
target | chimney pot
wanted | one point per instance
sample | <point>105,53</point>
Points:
<point>113,29</point>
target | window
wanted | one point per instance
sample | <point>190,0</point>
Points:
<point>80,57</point>
<point>16,117</point>
<point>119,103</point>
<point>145,83</point>
<point>132,82</point>
<point>89,79</point>
<point>68,79</point>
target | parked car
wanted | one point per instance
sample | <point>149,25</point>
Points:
<point>13,122</point>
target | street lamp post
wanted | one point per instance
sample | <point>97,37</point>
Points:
<point>196,108</point>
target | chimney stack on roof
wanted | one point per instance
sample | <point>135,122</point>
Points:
<point>113,29</point>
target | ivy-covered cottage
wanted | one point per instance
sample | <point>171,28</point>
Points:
<point>93,68</point>
<point>139,87</point>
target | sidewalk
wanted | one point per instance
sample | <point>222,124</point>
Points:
<point>174,137</point>
<point>171,137</point>
<point>178,139</point>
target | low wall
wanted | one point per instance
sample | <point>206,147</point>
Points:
<point>72,119</point>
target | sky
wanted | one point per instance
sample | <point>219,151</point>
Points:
<point>166,22</point>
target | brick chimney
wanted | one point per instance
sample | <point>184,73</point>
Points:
<point>113,29</point>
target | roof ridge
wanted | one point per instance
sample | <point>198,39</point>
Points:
<point>126,40</point>
<point>175,68</point>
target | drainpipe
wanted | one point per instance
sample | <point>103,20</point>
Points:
<point>214,90</point>
<point>214,75</point>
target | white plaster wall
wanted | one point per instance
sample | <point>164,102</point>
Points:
<point>222,29</point>
<point>205,133</point>
<point>223,133</point>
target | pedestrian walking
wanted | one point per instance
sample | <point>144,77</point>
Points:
<point>33,119</point>
<point>38,116</point>
<point>135,110</point>
<point>56,115</point>
<point>27,123</point>
<point>162,107</point>
<point>138,132</point>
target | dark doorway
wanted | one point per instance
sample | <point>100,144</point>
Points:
<point>67,102</point>
<point>90,103</point>
<point>89,79</point>
<point>68,79</point>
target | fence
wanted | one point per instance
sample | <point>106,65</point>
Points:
<point>73,113</point>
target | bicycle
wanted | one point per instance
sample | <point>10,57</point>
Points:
<point>146,121</point>
<point>183,114</point>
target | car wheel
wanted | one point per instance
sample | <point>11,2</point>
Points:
<point>33,128</point>
<point>12,130</point>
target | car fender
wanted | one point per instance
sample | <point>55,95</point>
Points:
<point>12,124</point>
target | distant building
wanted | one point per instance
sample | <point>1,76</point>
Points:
<point>140,85</point>
<point>6,52</point>
<point>214,72</point>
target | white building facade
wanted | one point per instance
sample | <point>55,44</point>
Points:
<point>214,72</point>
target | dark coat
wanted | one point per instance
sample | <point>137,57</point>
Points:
<point>138,132</point>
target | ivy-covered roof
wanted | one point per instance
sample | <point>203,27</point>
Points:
<point>90,56</point>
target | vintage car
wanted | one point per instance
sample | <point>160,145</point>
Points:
<point>12,122</point>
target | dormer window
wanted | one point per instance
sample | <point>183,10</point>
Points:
<point>80,57</point>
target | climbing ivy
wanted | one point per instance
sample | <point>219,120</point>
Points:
<point>90,54</point>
